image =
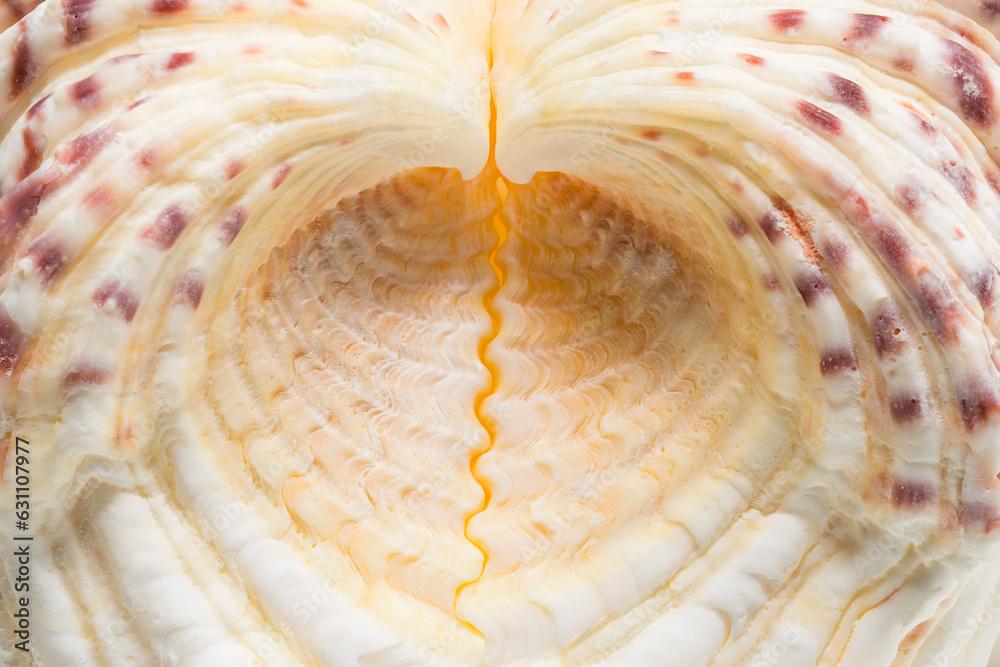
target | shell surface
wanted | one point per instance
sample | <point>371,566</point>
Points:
<point>527,332</point>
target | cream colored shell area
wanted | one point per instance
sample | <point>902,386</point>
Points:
<point>576,332</point>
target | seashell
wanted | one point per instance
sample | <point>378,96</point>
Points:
<point>528,332</point>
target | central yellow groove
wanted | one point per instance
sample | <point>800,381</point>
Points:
<point>494,372</point>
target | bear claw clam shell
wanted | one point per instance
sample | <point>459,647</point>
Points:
<point>458,332</point>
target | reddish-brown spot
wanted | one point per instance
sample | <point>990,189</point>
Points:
<point>774,223</point>
<point>887,330</point>
<point>124,58</point>
<point>975,90</point>
<point>751,59</point>
<point>441,21</point>
<point>924,125</point>
<point>783,221</point>
<point>86,93</point>
<point>231,224</point>
<point>962,178</point>
<point>913,494</point>
<point>138,103</point>
<point>990,9</point>
<point>836,361</point>
<point>24,67</point>
<point>984,285</point>
<point>48,256</point>
<point>811,285</point>
<point>939,306</point>
<point>891,245</point>
<point>836,253</point>
<point>82,373</point>
<point>909,197</point>
<point>979,515</point>
<point>189,289</point>
<point>850,94</point>
<point>167,227</point>
<point>101,197</point>
<point>76,20</point>
<point>300,3</point>
<point>179,60</point>
<point>18,206</point>
<point>11,342</point>
<point>34,148</point>
<point>146,158</point>
<point>80,151</point>
<point>651,135</point>
<point>978,402</point>
<point>906,409</point>
<point>819,118</point>
<point>993,178</point>
<point>866,26</point>
<point>685,77</point>
<point>771,282</point>
<point>233,169</point>
<point>118,296</point>
<point>280,176</point>
<point>788,19</point>
<point>737,227</point>
<point>168,6</point>
<point>904,63</point>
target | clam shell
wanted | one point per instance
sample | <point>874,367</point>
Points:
<point>526,332</point>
